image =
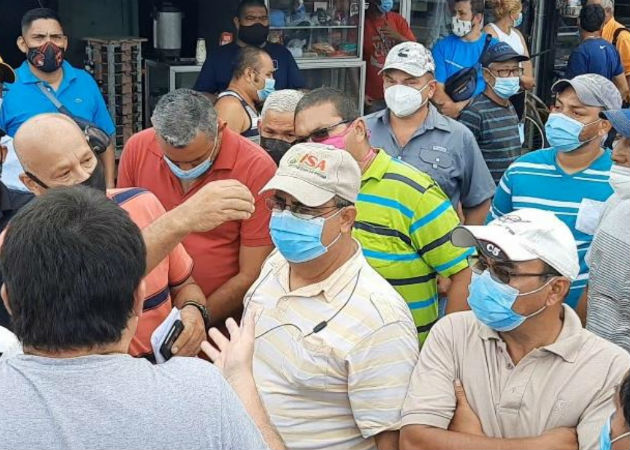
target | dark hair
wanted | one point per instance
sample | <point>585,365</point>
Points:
<point>247,57</point>
<point>550,271</point>
<point>477,6</point>
<point>71,261</point>
<point>344,104</point>
<point>342,202</point>
<point>37,14</point>
<point>624,397</point>
<point>247,4</point>
<point>592,18</point>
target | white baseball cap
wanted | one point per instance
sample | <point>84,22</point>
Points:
<point>410,57</point>
<point>524,235</point>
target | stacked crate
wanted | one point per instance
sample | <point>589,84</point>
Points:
<point>116,65</point>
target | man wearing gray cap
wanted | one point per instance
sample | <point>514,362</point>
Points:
<point>411,129</point>
<point>570,178</point>
<point>518,371</point>
<point>335,343</point>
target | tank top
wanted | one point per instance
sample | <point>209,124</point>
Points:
<point>252,132</point>
<point>513,39</point>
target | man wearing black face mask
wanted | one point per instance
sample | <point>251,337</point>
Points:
<point>276,125</point>
<point>44,43</point>
<point>252,25</point>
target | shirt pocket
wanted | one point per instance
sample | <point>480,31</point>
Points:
<point>307,366</point>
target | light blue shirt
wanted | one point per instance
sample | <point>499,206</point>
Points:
<point>535,180</point>
<point>78,92</point>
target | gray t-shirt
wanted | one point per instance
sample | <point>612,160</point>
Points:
<point>119,402</point>
<point>608,313</point>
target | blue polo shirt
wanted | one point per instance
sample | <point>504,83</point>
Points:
<point>78,92</point>
<point>452,54</point>
<point>216,72</point>
<point>595,56</point>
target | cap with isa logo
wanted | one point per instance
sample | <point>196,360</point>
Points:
<point>410,57</point>
<point>315,173</point>
<point>524,235</point>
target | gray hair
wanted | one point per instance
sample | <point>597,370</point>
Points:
<point>181,115</point>
<point>608,4</point>
<point>284,101</point>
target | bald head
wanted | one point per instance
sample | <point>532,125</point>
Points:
<point>53,151</point>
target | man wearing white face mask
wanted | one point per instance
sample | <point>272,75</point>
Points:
<point>608,312</point>
<point>412,129</point>
<point>518,371</point>
<point>252,82</point>
<point>458,51</point>
<point>570,178</point>
<point>491,116</point>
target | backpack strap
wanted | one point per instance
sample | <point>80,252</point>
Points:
<point>618,31</point>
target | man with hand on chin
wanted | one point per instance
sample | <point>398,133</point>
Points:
<point>518,371</point>
<point>44,43</point>
<point>411,129</point>
<point>570,178</point>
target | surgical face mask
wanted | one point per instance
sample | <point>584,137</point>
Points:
<point>267,90</point>
<point>519,20</point>
<point>605,443</point>
<point>47,57</point>
<point>254,35</point>
<point>620,180</point>
<point>403,101</point>
<point>299,240</point>
<point>505,87</point>
<point>386,6</point>
<point>461,27</point>
<point>492,302</point>
<point>275,147</point>
<point>195,172</point>
<point>563,132</point>
<point>338,141</point>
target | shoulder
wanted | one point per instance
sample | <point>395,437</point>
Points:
<point>226,98</point>
<point>446,41</point>
<point>202,379</point>
<point>461,325</point>
<point>489,29</point>
<point>144,140</point>
<point>278,50</point>
<point>373,118</point>
<point>142,205</point>
<point>401,171</point>
<point>539,160</point>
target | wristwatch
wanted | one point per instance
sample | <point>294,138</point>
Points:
<point>202,309</point>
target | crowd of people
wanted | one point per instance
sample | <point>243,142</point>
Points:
<point>413,278</point>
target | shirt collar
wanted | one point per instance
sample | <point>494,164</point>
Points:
<point>328,288</point>
<point>433,120</point>
<point>379,166</point>
<point>27,77</point>
<point>226,159</point>
<point>567,344</point>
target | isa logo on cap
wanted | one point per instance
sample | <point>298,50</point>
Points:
<point>310,163</point>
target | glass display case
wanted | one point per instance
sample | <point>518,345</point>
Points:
<point>318,29</point>
<point>429,19</point>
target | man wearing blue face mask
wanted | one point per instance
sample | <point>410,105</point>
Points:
<point>518,371</point>
<point>491,116</point>
<point>335,343</point>
<point>251,84</point>
<point>570,178</point>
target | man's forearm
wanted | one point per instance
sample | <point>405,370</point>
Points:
<point>458,292</point>
<point>161,237</point>
<point>477,215</point>
<point>108,158</point>
<point>246,390</point>
<point>387,440</point>
<point>187,293</point>
<point>419,437</point>
<point>227,301</point>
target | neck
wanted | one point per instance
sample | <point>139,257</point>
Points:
<point>489,92</point>
<point>588,35</point>
<point>52,78</point>
<point>364,157</point>
<point>319,269</point>
<point>580,159</point>
<point>505,24</point>
<point>474,35</point>
<point>608,18</point>
<point>240,87</point>
<point>534,333</point>
<point>405,127</point>
<point>120,347</point>
<point>243,44</point>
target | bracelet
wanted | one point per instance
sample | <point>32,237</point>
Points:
<point>202,309</point>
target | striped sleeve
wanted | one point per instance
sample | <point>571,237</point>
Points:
<point>430,231</point>
<point>379,369</point>
<point>502,203</point>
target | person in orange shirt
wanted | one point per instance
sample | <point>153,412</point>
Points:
<point>188,148</point>
<point>54,152</point>
<point>383,30</point>
<point>615,33</point>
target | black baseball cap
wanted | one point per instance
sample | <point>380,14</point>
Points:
<point>501,52</point>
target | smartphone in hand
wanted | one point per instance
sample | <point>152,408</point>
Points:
<point>171,337</point>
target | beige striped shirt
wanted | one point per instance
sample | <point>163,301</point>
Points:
<point>339,387</point>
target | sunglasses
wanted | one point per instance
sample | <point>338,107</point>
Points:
<point>500,271</point>
<point>322,134</point>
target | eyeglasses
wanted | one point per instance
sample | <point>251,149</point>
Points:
<point>505,73</point>
<point>322,134</point>
<point>500,271</point>
<point>297,209</point>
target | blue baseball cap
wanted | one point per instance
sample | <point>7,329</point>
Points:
<point>501,52</point>
<point>620,120</point>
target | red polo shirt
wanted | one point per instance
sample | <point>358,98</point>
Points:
<point>215,253</point>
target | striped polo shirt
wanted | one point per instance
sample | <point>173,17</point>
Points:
<point>404,223</point>
<point>495,128</point>
<point>536,180</point>
<point>143,208</point>
<point>339,385</point>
